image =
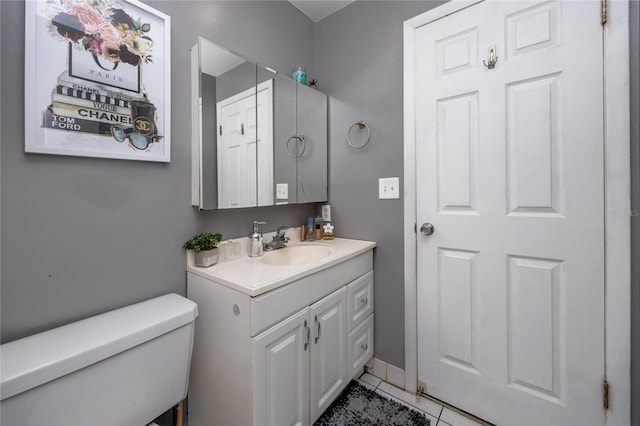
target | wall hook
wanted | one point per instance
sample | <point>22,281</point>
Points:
<point>493,58</point>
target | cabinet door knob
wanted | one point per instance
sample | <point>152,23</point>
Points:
<point>364,300</point>
<point>364,346</point>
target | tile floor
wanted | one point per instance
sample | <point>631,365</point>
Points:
<point>438,414</point>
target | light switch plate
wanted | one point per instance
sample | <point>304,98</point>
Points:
<point>282,191</point>
<point>389,188</point>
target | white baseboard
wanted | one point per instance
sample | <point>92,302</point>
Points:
<point>388,372</point>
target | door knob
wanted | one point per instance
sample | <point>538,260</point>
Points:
<point>427,228</point>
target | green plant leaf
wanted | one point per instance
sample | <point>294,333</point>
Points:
<point>203,242</point>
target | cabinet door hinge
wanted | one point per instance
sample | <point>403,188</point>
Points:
<point>220,127</point>
<point>605,394</point>
<point>603,12</point>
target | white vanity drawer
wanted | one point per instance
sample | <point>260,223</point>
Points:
<point>360,346</point>
<point>269,308</point>
<point>360,300</point>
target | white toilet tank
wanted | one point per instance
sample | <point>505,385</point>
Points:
<point>124,367</point>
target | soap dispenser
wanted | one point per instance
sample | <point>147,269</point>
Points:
<point>255,240</point>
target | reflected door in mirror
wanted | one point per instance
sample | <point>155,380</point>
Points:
<point>245,155</point>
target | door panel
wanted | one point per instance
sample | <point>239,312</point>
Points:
<point>458,290</point>
<point>281,373</point>
<point>510,173</point>
<point>535,172</point>
<point>537,333</point>
<point>237,151</point>
<point>458,153</point>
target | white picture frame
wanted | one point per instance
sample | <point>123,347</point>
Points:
<point>97,79</point>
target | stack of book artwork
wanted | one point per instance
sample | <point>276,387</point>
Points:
<point>85,108</point>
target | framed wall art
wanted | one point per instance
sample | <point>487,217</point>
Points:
<point>97,79</point>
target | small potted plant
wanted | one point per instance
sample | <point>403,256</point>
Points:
<point>205,248</point>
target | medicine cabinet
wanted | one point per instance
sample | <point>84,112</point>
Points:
<point>258,137</point>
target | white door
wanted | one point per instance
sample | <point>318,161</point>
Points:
<point>237,151</point>
<point>329,350</point>
<point>245,148</point>
<point>510,175</point>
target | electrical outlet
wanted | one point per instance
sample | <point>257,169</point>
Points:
<point>282,191</point>
<point>389,188</point>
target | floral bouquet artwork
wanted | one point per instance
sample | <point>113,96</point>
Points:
<point>102,90</point>
<point>104,31</point>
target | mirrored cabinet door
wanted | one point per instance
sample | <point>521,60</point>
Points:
<point>224,128</point>
<point>311,120</point>
<point>285,142</point>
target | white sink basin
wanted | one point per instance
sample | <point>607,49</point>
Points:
<point>297,254</point>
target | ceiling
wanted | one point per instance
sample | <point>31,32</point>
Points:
<point>319,9</point>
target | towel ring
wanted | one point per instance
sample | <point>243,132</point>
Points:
<point>299,138</point>
<point>362,125</point>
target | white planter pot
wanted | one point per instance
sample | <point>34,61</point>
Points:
<point>207,258</point>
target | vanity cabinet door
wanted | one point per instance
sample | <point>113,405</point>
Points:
<point>281,373</point>
<point>328,319</point>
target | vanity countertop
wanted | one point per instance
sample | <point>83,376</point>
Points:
<point>250,275</point>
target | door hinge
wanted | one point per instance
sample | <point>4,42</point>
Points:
<point>605,394</point>
<point>603,12</point>
<point>220,127</point>
<point>415,228</point>
<point>421,388</point>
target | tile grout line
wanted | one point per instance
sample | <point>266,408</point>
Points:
<point>407,403</point>
<point>442,406</point>
<point>410,404</point>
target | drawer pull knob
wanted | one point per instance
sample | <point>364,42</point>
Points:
<point>364,300</point>
<point>364,346</point>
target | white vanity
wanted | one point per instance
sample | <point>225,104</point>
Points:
<point>279,337</point>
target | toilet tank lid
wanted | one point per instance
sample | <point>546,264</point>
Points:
<point>43,357</point>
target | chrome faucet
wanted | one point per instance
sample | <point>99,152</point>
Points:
<point>279,240</point>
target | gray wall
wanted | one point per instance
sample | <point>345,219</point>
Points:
<point>82,236</point>
<point>635,207</point>
<point>359,65</point>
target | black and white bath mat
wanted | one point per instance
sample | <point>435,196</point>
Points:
<point>358,405</point>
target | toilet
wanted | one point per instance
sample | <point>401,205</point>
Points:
<point>123,367</point>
